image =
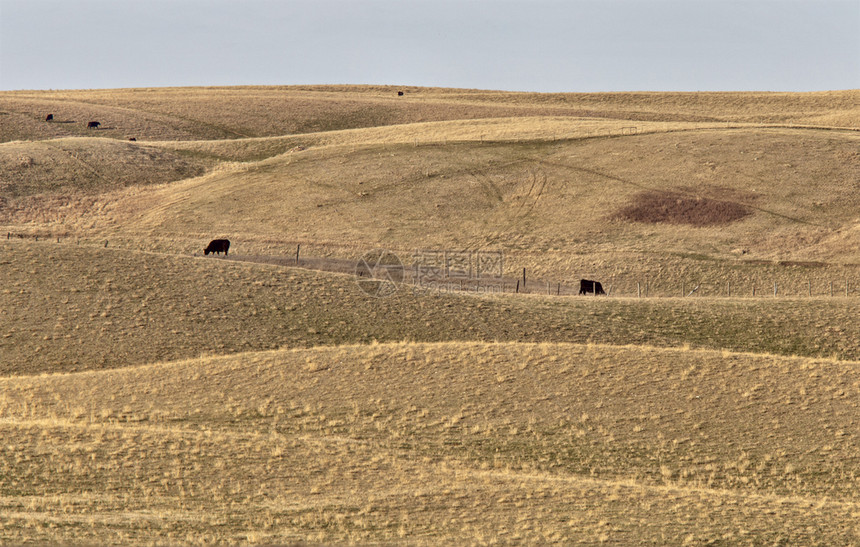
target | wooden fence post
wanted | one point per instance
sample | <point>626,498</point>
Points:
<point>638,290</point>
<point>518,286</point>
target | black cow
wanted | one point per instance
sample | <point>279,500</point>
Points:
<point>399,93</point>
<point>49,118</point>
<point>217,246</point>
<point>94,125</point>
<point>586,286</point>
<point>132,139</point>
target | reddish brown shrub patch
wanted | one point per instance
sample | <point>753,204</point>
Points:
<point>677,208</point>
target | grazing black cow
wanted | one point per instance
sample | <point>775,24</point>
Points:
<point>49,118</point>
<point>94,125</point>
<point>399,93</point>
<point>132,139</point>
<point>217,246</point>
<point>586,286</point>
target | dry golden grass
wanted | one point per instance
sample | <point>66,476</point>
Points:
<point>550,206</point>
<point>438,443</point>
<point>87,165</point>
<point>489,130</point>
<point>550,201</point>
<point>151,395</point>
<point>240,112</point>
<point>66,307</point>
<point>340,165</point>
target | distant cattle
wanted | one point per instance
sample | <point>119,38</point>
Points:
<point>132,139</point>
<point>217,246</point>
<point>93,125</point>
<point>399,93</point>
<point>594,287</point>
<point>49,117</point>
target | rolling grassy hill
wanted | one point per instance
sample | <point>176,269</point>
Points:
<point>87,165</point>
<point>562,194</point>
<point>151,395</point>
<point>242,112</point>
<point>796,192</point>
<point>429,443</point>
<point>69,307</point>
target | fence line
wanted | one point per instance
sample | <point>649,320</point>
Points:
<point>788,287</point>
<point>797,287</point>
<point>844,287</point>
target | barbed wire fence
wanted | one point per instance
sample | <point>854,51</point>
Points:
<point>638,289</point>
<point>486,272</point>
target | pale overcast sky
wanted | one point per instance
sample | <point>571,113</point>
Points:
<point>519,45</point>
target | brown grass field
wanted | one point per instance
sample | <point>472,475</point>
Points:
<point>151,395</point>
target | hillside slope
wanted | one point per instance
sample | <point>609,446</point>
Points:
<point>151,395</point>
<point>565,196</point>
<point>88,165</point>
<point>69,307</point>
<point>676,187</point>
<point>677,205</point>
<point>242,112</point>
<point>452,442</point>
